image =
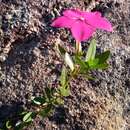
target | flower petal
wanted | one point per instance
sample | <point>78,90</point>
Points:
<point>82,31</point>
<point>72,13</point>
<point>96,20</point>
<point>62,22</point>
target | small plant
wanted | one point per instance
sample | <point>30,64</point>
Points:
<point>82,25</point>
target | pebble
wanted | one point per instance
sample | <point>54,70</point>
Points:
<point>2,58</point>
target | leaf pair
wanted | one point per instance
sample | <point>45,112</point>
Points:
<point>96,61</point>
<point>49,100</point>
<point>46,98</point>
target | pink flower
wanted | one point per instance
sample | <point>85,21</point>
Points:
<point>82,24</point>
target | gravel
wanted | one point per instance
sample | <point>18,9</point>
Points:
<point>28,62</point>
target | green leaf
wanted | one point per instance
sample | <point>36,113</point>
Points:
<point>46,111</point>
<point>28,117</point>
<point>103,57</point>
<point>93,62</point>
<point>100,61</point>
<point>80,62</point>
<point>100,66</point>
<point>63,77</point>
<point>65,91</point>
<point>39,100</point>
<point>23,113</point>
<point>68,61</point>
<point>21,125</point>
<point>83,65</point>
<point>8,124</point>
<point>91,51</point>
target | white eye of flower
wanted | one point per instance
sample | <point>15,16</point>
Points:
<point>82,18</point>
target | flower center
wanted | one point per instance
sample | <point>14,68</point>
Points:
<point>79,18</point>
<point>82,18</point>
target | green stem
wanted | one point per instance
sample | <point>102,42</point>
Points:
<point>71,76</point>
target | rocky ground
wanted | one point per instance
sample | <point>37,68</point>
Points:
<point>28,62</point>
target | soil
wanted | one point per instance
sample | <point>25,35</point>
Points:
<point>29,61</point>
